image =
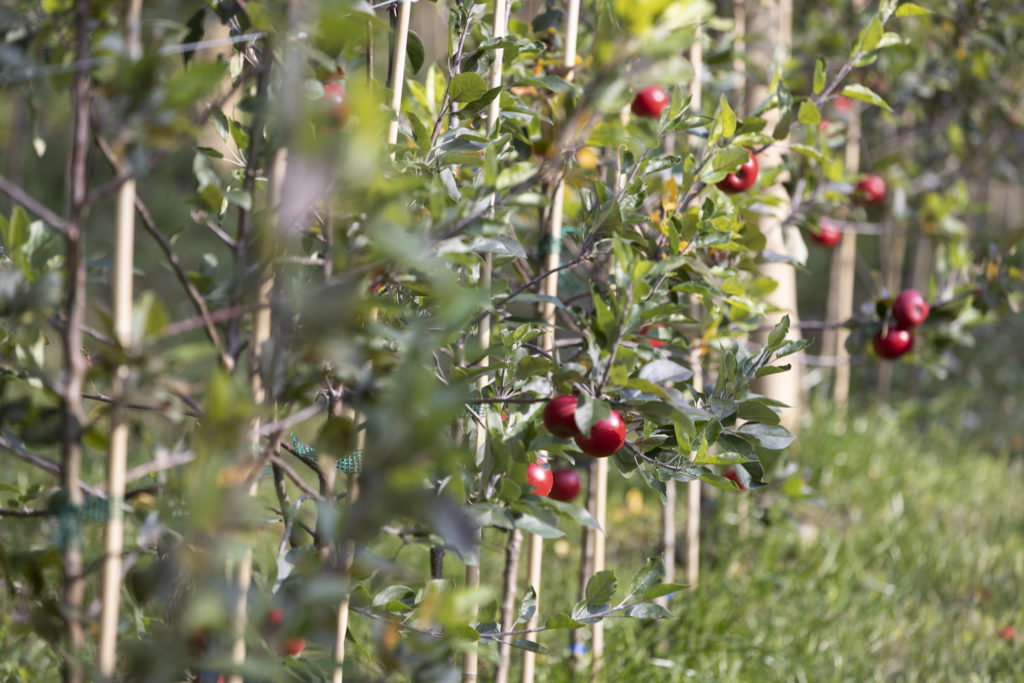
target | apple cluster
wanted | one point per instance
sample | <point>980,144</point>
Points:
<point>909,310</point>
<point>606,437</point>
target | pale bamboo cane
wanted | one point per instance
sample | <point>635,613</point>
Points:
<point>117,456</point>
<point>552,242</point>
<point>693,487</point>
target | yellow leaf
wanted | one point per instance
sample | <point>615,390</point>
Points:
<point>670,196</point>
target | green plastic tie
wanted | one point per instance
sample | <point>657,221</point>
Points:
<point>351,463</point>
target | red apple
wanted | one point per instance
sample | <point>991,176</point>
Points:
<point>1008,632</point>
<point>871,189</point>
<point>274,616</point>
<point>605,438</point>
<point>650,102</point>
<point>293,646</point>
<point>730,474</point>
<point>843,104</point>
<point>910,308</point>
<point>560,416</point>
<point>538,477</point>
<point>895,342</point>
<point>742,180</point>
<point>335,100</point>
<point>565,485</point>
<point>650,341</point>
<point>828,234</point>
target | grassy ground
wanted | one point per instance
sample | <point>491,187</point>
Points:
<point>905,565</point>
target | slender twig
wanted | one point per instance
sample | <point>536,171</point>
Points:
<point>294,476</point>
<point>19,196</point>
<point>194,295</point>
<point>23,513</point>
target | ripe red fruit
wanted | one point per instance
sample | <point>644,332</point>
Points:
<point>650,341</point>
<point>335,100</point>
<point>730,474</point>
<point>293,646</point>
<point>910,308</point>
<point>843,104</point>
<point>538,476</point>
<point>894,343</point>
<point>275,617</point>
<point>565,485</point>
<point>828,234</point>
<point>871,189</point>
<point>606,437</point>
<point>743,179</point>
<point>1007,632</point>
<point>650,102</point>
<point>559,416</point>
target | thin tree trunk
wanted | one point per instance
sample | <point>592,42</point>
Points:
<point>74,359</point>
<point>576,645</point>
<point>508,604</point>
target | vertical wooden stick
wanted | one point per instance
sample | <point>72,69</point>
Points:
<point>117,456</point>
<point>552,243</point>
<point>260,334</point>
<point>398,72</point>
<point>693,487</point>
<point>348,553</point>
<point>842,277</point>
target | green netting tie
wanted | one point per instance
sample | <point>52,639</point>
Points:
<point>351,463</point>
<point>71,518</point>
<point>548,245</point>
<point>304,451</point>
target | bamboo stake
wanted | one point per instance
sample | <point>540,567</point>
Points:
<point>693,487</point>
<point>552,242</point>
<point>842,278</point>
<point>260,334</point>
<point>398,70</point>
<point>117,456</point>
<point>348,554</point>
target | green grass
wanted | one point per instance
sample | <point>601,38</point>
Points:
<point>903,566</point>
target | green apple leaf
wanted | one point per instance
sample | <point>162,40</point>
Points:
<point>772,437</point>
<point>562,621</point>
<point>819,75</point>
<point>601,587</point>
<point>865,94</point>
<point>648,610</point>
<point>809,113</point>
<point>910,9</point>
<point>467,87</point>
<point>648,576</point>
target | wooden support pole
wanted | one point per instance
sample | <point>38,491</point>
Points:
<point>117,455</point>
<point>260,333</point>
<point>693,487</point>
<point>842,279</point>
<point>398,69</point>
<point>552,241</point>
